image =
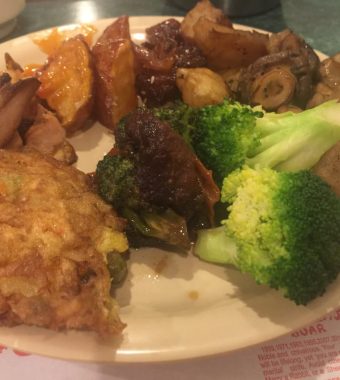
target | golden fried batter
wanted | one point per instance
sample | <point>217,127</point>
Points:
<point>54,236</point>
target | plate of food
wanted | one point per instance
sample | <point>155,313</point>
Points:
<point>167,188</point>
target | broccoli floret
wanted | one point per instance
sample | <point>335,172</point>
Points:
<point>221,135</point>
<point>117,184</point>
<point>283,228</point>
<point>180,116</point>
<point>226,136</point>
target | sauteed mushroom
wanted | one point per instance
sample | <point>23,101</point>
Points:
<point>14,99</point>
<point>287,75</point>
<point>273,89</point>
<point>329,85</point>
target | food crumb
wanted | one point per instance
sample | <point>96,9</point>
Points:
<point>193,295</point>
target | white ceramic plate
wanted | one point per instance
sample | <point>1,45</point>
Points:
<point>175,307</point>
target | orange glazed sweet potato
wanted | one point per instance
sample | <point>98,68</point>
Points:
<point>67,83</point>
<point>115,93</point>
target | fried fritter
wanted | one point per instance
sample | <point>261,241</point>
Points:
<point>54,236</point>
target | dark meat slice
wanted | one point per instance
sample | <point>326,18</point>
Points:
<point>158,58</point>
<point>169,174</point>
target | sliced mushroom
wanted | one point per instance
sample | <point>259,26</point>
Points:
<point>14,99</point>
<point>330,71</point>
<point>304,63</point>
<point>287,75</point>
<point>329,86</point>
<point>273,88</point>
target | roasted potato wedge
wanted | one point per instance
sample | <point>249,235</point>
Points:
<point>115,93</point>
<point>67,82</point>
<point>200,86</point>
<point>205,9</point>
<point>227,48</point>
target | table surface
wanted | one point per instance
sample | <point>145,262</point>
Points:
<point>315,20</point>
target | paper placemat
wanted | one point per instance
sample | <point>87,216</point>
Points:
<point>310,353</point>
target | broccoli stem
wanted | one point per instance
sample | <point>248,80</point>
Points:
<point>296,141</point>
<point>213,245</point>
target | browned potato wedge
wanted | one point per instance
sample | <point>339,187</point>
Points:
<point>205,9</point>
<point>115,82</point>
<point>200,86</point>
<point>67,83</point>
<point>227,48</point>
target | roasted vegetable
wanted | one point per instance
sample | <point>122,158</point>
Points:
<point>156,182</point>
<point>67,83</point>
<point>117,182</point>
<point>115,94</point>
<point>282,228</point>
<point>200,86</point>
<point>164,51</point>
<point>221,135</point>
<point>227,135</point>
<point>14,99</point>
<point>227,48</point>
<point>328,86</point>
<point>202,9</point>
<point>273,88</point>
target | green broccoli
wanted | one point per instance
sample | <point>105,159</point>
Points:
<point>227,135</point>
<point>283,228</point>
<point>180,117</point>
<point>296,141</point>
<point>221,135</point>
<point>117,184</point>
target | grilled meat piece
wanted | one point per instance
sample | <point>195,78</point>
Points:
<point>168,172</point>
